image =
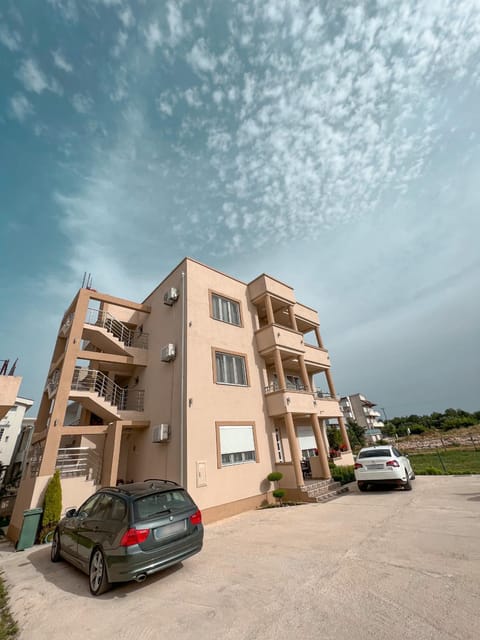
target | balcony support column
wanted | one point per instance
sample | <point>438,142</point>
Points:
<point>322,454</point>
<point>293,320</point>
<point>319,337</point>
<point>269,310</point>
<point>304,373</point>
<point>57,417</point>
<point>279,369</point>
<point>111,454</point>
<point>294,449</point>
<point>341,421</point>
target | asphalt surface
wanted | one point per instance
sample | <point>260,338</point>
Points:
<point>366,566</point>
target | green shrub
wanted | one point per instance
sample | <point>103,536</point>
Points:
<point>275,476</point>
<point>52,505</point>
<point>432,471</point>
<point>278,493</point>
<point>343,475</point>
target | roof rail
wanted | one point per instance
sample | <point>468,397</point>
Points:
<point>161,480</point>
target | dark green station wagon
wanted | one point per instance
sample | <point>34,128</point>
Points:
<point>129,532</point>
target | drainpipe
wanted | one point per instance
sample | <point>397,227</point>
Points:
<point>182,390</point>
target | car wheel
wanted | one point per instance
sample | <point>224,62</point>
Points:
<point>412,477</point>
<point>55,548</point>
<point>98,574</point>
<point>362,486</point>
<point>407,486</point>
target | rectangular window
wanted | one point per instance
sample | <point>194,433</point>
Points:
<point>230,369</point>
<point>226,310</point>
<point>236,444</point>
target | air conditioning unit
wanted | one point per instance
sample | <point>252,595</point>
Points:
<point>161,433</point>
<point>170,296</point>
<point>168,353</point>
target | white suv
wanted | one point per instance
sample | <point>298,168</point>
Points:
<point>383,465</point>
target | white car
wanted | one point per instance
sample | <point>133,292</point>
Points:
<point>383,465</point>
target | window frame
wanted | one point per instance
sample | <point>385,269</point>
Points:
<point>234,354</point>
<point>232,423</point>
<point>212,293</point>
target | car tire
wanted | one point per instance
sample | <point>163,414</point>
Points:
<point>412,477</point>
<point>55,548</point>
<point>406,485</point>
<point>97,575</point>
<point>362,486</point>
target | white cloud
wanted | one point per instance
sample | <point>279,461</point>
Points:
<point>164,107</point>
<point>10,39</point>
<point>153,36</point>
<point>192,96</point>
<point>200,58</point>
<point>68,8</point>
<point>61,62</point>
<point>33,78</point>
<point>20,107</point>
<point>175,23</point>
<point>126,17</point>
<point>82,103</point>
<point>122,39</point>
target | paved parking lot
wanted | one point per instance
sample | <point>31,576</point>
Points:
<point>366,566</point>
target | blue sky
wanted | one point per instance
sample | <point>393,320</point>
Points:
<point>332,145</point>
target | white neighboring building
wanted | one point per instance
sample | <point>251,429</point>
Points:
<point>10,427</point>
<point>357,408</point>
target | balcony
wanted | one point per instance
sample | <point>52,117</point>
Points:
<point>289,401</point>
<point>9,386</point>
<point>327,406</point>
<point>316,358</point>
<point>310,316</point>
<point>79,462</point>
<point>279,337</point>
<point>266,284</point>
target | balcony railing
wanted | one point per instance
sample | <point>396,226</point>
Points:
<point>79,462</point>
<point>274,386</point>
<point>97,382</point>
<point>130,337</point>
<point>323,394</point>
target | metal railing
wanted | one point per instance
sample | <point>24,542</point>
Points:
<point>74,462</point>
<point>274,386</point>
<point>97,382</point>
<point>325,395</point>
<point>130,337</point>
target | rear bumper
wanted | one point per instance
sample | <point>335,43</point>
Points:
<point>136,562</point>
<point>394,482</point>
<point>381,477</point>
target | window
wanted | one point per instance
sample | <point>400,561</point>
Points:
<point>236,444</point>
<point>278,442</point>
<point>160,503</point>
<point>2,431</point>
<point>230,369</point>
<point>226,310</point>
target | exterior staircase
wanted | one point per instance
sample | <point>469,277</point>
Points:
<point>323,490</point>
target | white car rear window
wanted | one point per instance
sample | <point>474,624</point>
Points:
<point>375,453</point>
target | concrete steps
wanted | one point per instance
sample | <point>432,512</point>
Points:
<point>323,490</point>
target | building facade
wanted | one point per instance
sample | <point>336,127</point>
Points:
<point>10,428</point>
<point>357,408</point>
<point>208,382</point>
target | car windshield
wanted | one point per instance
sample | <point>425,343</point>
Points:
<point>375,453</point>
<point>162,502</point>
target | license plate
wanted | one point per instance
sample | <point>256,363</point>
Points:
<point>160,533</point>
<point>375,466</point>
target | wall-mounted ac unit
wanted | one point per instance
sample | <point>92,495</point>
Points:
<point>161,433</point>
<point>170,296</point>
<point>168,353</point>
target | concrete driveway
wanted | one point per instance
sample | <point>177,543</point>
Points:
<point>366,566</point>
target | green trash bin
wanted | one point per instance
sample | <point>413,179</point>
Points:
<point>31,522</point>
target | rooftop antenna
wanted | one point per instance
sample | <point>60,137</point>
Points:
<point>12,370</point>
<point>3,370</point>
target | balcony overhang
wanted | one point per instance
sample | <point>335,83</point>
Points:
<point>9,387</point>
<point>279,337</point>
<point>104,340</point>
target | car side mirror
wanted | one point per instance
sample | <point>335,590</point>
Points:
<point>70,513</point>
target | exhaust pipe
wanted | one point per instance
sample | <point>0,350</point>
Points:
<point>141,577</point>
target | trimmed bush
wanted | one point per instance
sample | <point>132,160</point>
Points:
<point>275,476</point>
<point>278,493</point>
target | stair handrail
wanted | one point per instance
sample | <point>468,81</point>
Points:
<point>85,379</point>
<point>104,319</point>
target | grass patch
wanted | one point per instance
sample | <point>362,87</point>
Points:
<point>456,462</point>
<point>8,626</point>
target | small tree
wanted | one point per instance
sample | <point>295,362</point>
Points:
<point>52,505</point>
<point>277,493</point>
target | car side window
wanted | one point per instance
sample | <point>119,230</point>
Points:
<point>396,452</point>
<point>87,507</point>
<point>103,508</point>
<point>119,509</point>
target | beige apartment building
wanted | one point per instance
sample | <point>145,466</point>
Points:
<point>208,382</point>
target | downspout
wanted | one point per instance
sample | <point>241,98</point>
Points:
<point>182,390</point>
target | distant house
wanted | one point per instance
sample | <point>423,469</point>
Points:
<point>357,408</point>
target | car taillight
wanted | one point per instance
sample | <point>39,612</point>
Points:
<point>196,518</point>
<point>134,536</point>
<point>357,465</point>
<point>392,463</point>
